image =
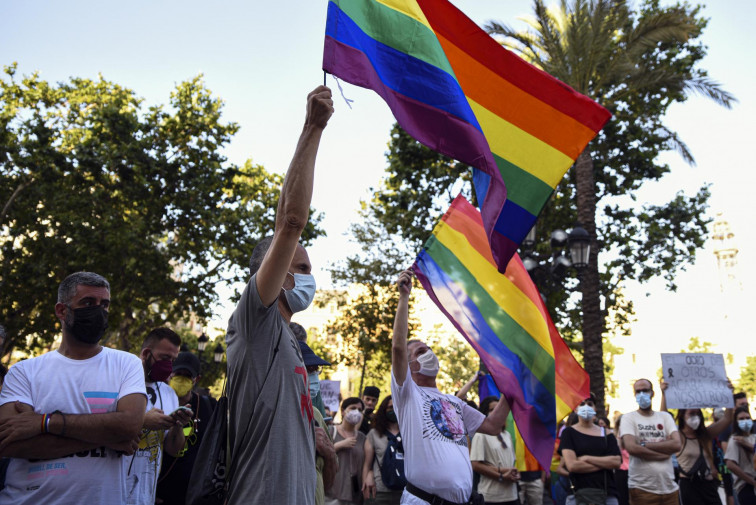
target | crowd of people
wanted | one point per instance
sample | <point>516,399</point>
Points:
<point>89,424</point>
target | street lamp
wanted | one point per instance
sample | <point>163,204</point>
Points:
<point>567,250</point>
<point>202,342</point>
<point>580,246</point>
<point>218,353</point>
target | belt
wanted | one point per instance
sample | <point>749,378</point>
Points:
<point>430,498</point>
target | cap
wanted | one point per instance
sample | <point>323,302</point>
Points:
<point>189,362</point>
<point>309,357</point>
<point>371,391</point>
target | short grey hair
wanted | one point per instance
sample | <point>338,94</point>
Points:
<point>67,288</point>
<point>299,332</point>
<point>258,254</point>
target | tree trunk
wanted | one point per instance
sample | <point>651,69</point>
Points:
<point>593,349</point>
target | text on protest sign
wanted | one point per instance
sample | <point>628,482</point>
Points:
<point>696,381</point>
<point>329,390</point>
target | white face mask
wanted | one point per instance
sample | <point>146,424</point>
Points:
<point>301,295</point>
<point>353,417</point>
<point>428,363</point>
<point>693,422</point>
<point>586,412</point>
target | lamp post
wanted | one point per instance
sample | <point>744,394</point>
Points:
<point>567,250</point>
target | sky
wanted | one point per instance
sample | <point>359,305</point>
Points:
<point>263,58</point>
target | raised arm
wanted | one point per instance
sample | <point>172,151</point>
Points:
<point>401,328</point>
<point>296,196</point>
<point>462,393</point>
<point>663,385</point>
<point>495,420</point>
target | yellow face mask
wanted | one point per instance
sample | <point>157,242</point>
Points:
<point>181,385</point>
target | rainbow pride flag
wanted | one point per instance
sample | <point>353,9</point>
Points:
<point>506,322</point>
<point>456,90</point>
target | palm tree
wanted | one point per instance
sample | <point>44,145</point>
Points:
<point>602,49</point>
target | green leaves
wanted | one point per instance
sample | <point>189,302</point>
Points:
<point>91,180</point>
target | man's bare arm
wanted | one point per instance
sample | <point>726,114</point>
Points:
<point>48,446</point>
<point>296,195</point>
<point>670,446</point>
<point>401,328</point>
<point>635,449</point>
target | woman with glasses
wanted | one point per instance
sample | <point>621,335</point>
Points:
<point>385,426</point>
<point>739,457</point>
<point>349,444</point>
<point>590,455</point>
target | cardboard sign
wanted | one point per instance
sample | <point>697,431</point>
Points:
<point>696,381</point>
<point>330,390</point>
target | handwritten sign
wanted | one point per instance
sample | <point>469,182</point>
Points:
<point>330,390</point>
<point>696,381</point>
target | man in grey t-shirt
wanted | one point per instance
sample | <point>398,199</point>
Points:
<point>271,431</point>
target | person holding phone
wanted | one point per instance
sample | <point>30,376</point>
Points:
<point>163,425</point>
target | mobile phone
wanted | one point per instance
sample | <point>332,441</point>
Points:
<point>182,408</point>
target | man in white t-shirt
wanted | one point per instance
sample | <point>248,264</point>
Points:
<point>162,429</point>
<point>66,417</point>
<point>650,438</point>
<point>435,427</point>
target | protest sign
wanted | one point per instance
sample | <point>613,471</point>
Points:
<point>696,381</point>
<point>329,390</point>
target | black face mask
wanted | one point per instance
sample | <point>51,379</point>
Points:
<point>89,324</point>
<point>391,416</point>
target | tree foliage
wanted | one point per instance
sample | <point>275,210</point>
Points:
<point>92,179</point>
<point>747,381</point>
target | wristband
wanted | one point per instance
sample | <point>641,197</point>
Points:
<point>45,423</point>
<point>63,416</point>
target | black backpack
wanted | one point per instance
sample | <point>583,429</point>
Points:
<point>392,465</point>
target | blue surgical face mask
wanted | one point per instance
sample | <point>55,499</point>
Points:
<point>301,295</point>
<point>745,425</point>
<point>314,381</point>
<point>643,399</point>
<point>586,412</point>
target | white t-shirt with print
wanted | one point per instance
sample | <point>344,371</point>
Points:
<point>656,477</point>
<point>92,386</point>
<point>143,467</point>
<point>434,429</point>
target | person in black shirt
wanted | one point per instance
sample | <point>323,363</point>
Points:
<point>590,454</point>
<point>175,472</point>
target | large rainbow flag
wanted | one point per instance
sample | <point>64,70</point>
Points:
<point>455,89</point>
<point>506,322</point>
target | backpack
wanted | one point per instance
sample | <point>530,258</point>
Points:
<point>392,465</point>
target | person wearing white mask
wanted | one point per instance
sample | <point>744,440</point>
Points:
<point>435,427</point>
<point>349,443</point>
<point>739,456</point>
<point>699,479</point>
<point>590,455</point>
<point>650,438</point>
<point>271,433</point>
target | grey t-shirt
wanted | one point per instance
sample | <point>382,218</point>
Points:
<point>271,430</point>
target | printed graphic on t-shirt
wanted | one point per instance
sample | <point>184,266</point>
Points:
<point>100,402</point>
<point>651,432</point>
<point>442,420</point>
